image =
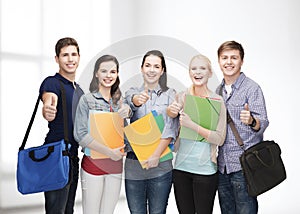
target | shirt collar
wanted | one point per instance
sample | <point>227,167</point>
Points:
<point>99,96</point>
<point>66,81</point>
<point>157,90</point>
<point>237,82</point>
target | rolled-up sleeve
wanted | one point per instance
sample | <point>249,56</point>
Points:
<point>171,124</point>
<point>128,98</point>
<point>81,133</point>
<point>171,128</point>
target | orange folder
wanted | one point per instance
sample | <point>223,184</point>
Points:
<point>106,128</point>
<point>144,137</point>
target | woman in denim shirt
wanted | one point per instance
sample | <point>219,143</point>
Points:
<point>149,188</point>
<point>100,178</point>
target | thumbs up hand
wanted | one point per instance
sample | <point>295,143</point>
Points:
<point>124,110</point>
<point>173,109</point>
<point>49,107</point>
<point>245,115</point>
<point>142,98</point>
<point>185,120</point>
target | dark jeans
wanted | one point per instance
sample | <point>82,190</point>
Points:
<point>233,195</point>
<point>154,192</point>
<point>194,193</point>
<point>62,201</point>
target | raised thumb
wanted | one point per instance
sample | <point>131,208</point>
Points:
<point>146,88</point>
<point>53,101</point>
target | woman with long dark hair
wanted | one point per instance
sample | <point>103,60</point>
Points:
<point>147,189</point>
<point>100,178</point>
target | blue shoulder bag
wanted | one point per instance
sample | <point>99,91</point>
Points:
<point>47,167</point>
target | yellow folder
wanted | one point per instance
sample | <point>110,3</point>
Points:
<point>144,136</point>
<point>106,128</point>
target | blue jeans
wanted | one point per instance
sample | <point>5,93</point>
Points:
<point>154,191</point>
<point>233,195</point>
<point>62,201</point>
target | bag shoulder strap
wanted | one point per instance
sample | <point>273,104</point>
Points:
<point>30,123</point>
<point>231,123</point>
<point>64,104</point>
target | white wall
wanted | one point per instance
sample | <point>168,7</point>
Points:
<point>269,31</point>
<point>29,31</point>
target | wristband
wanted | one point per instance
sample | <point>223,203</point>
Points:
<point>253,124</point>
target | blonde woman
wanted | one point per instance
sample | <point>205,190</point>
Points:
<point>195,172</point>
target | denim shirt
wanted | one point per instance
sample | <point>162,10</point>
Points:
<point>90,101</point>
<point>244,90</point>
<point>159,101</point>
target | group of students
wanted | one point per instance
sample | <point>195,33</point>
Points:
<point>201,167</point>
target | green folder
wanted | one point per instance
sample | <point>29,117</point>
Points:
<point>160,123</point>
<point>203,111</point>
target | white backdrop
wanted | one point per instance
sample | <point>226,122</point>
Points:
<point>269,31</point>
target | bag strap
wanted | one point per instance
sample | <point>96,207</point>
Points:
<point>231,124</point>
<point>64,104</point>
<point>30,123</point>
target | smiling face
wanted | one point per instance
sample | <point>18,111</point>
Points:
<point>68,60</point>
<point>200,71</point>
<point>107,74</point>
<point>152,70</point>
<point>230,63</point>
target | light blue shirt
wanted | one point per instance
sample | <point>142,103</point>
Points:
<point>194,157</point>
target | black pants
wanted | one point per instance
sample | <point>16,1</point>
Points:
<point>194,193</point>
